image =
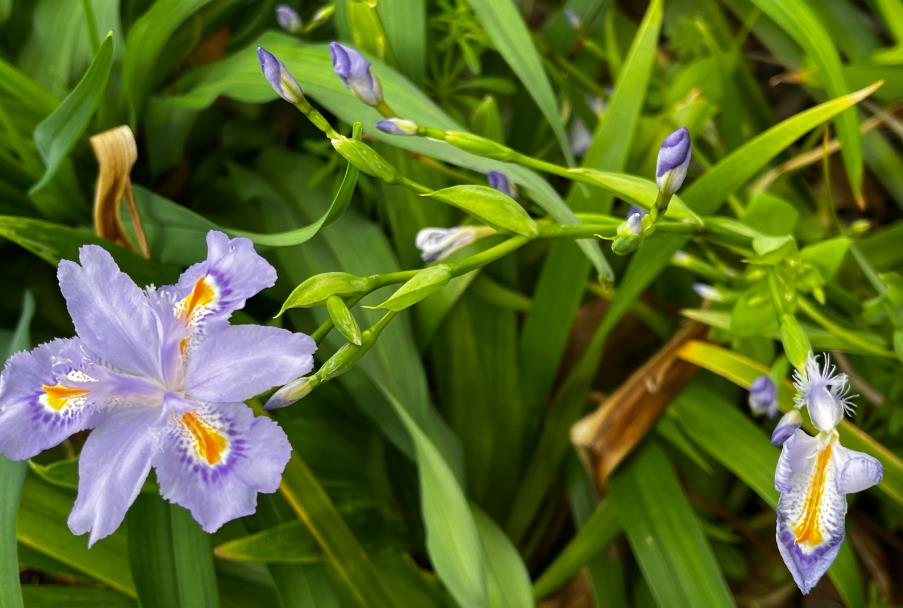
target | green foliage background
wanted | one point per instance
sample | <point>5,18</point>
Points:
<point>438,471</point>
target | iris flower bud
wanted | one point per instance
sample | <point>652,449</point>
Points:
<point>279,77</point>
<point>786,427</point>
<point>289,19</point>
<point>763,396</point>
<point>355,72</point>
<point>500,182</point>
<point>673,161</point>
<point>397,126</point>
<point>291,392</point>
<point>438,243</point>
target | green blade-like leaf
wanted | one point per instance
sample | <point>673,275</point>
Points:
<point>41,525</point>
<point>452,537</point>
<point>58,133</point>
<point>169,555</point>
<point>311,503</point>
<point>798,20</point>
<point>665,534</point>
<point>596,532</point>
<point>54,596</point>
<point>405,25</point>
<point>54,242</point>
<point>511,38</point>
<point>12,474</point>
<point>507,577</point>
<point>145,43</point>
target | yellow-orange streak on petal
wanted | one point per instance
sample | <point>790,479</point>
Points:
<point>58,395</point>
<point>202,294</point>
<point>208,443</point>
<point>183,346</point>
<point>807,530</point>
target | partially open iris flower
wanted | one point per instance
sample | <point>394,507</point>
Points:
<point>160,376</point>
<point>814,475</point>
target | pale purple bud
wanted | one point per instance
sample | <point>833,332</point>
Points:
<point>707,292</point>
<point>397,126</point>
<point>635,224</point>
<point>573,18</point>
<point>279,77</point>
<point>355,72</point>
<point>290,393</point>
<point>763,395</point>
<point>438,243</point>
<point>289,19</point>
<point>500,182</point>
<point>673,161</point>
<point>787,426</point>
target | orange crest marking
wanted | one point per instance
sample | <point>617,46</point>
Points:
<point>58,396</point>
<point>807,531</point>
<point>208,443</point>
<point>202,294</point>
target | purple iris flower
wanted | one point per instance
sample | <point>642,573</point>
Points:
<point>673,161</point>
<point>160,375</point>
<point>355,72</point>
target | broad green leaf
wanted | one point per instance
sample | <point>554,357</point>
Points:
<point>803,25</point>
<point>753,314</point>
<point>239,78</point>
<point>145,43</point>
<point>826,255</point>
<point>58,133</point>
<point>169,556</point>
<point>596,532</point>
<point>54,596</point>
<point>770,215</point>
<point>743,371</point>
<point>41,525</point>
<point>54,242</point>
<point>310,502</point>
<point>730,437</point>
<point>511,38</point>
<point>12,474</point>
<point>665,533</point>
<point>488,204</point>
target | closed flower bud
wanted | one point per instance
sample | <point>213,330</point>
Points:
<point>629,235</point>
<point>291,392</point>
<point>279,77</point>
<point>500,182</point>
<point>355,72</point>
<point>478,145</point>
<point>763,395</point>
<point>343,320</point>
<point>786,427</point>
<point>288,19</point>
<point>673,161</point>
<point>707,292</point>
<point>397,126</point>
<point>573,18</point>
<point>365,158</point>
<point>438,243</point>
